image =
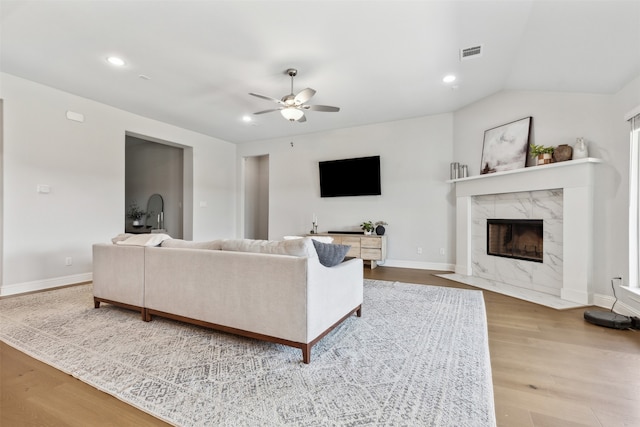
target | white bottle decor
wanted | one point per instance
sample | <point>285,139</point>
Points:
<point>580,150</point>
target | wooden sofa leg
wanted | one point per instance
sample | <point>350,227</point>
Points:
<point>306,353</point>
<point>96,303</point>
<point>146,316</point>
<point>359,311</point>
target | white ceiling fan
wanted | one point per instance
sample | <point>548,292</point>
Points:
<point>292,107</point>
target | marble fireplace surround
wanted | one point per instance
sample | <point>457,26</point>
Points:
<point>567,271</point>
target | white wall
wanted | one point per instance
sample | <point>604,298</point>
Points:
<point>415,156</point>
<point>559,118</point>
<point>83,163</point>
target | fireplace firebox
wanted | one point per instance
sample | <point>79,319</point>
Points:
<point>515,238</point>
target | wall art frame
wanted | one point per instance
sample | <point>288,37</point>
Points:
<point>505,147</point>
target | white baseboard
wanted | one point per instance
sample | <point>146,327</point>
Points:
<point>40,285</point>
<point>629,307</point>
<point>420,265</point>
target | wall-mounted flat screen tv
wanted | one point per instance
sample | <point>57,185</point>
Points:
<point>350,177</point>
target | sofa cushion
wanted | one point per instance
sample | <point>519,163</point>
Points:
<point>296,247</point>
<point>188,244</point>
<point>153,239</point>
<point>330,254</point>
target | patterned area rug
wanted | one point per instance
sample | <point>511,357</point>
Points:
<point>418,356</point>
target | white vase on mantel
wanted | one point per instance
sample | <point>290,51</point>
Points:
<point>580,150</point>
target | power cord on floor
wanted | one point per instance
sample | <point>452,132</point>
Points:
<point>614,291</point>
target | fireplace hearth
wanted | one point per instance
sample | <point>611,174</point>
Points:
<point>515,238</point>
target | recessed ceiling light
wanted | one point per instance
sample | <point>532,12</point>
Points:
<point>449,78</point>
<point>114,60</point>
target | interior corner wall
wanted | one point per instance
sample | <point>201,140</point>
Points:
<point>83,165</point>
<point>560,118</point>
<point>416,201</point>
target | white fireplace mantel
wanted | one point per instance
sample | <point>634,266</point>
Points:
<point>576,179</point>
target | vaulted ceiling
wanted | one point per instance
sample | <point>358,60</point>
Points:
<point>193,63</point>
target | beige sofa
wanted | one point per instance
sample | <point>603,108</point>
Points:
<point>273,291</point>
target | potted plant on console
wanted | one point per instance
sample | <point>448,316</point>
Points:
<point>136,214</point>
<point>544,154</point>
<point>367,227</point>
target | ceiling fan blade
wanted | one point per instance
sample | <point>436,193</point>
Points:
<point>325,108</point>
<point>304,95</point>
<point>268,98</point>
<point>268,111</point>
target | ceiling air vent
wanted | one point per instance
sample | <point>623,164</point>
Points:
<point>471,52</point>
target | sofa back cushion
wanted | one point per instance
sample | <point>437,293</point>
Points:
<point>179,243</point>
<point>298,247</point>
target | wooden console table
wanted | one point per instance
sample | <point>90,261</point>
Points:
<point>371,248</point>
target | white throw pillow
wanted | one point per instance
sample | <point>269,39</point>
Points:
<point>120,237</point>
<point>145,239</point>
<point>322,239</point>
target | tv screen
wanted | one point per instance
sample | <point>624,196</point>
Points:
<point>350,177</point>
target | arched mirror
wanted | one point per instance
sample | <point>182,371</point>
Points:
<point>155,212</point>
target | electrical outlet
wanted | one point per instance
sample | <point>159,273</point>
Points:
<point>442,251</point>
<point>419,251</point>
<point>68,261</point>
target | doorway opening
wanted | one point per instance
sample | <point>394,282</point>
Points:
<point>256,197</point>
<point>155,184</point>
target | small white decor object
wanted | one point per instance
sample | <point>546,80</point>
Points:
<point>580,150</point>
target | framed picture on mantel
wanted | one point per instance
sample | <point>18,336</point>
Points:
<point>505,147</point>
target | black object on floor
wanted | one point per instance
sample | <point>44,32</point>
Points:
<point>608,319</point>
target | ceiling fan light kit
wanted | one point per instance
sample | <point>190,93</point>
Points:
<point>292,114</point>
<point>292,106</point>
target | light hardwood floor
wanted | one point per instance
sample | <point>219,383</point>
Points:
<point>550,368</point>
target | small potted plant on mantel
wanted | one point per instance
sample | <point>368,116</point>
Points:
<point>367,227</point>
<point>544,154</point>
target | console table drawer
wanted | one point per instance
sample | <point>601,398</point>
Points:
<point>369,254</point>
<point>371,242</point>
<point>353,241</point>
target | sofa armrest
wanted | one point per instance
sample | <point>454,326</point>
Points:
<point>118,273</point>
<point>331,293</point>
